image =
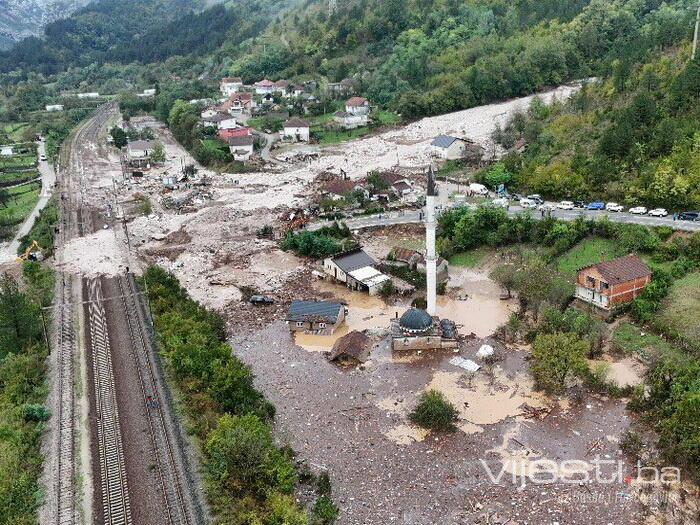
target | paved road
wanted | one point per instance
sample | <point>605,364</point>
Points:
<point>8,251</point>
<point>413,216</point>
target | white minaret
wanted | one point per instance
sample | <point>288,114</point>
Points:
<point>431,256</point>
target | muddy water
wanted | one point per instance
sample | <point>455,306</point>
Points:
<point>481,313</point>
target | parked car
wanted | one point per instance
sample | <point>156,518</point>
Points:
<point>536,197</point>
<point>261,300</point>
<point>579,204</point>
<point>565,205</point>
<point>689,216</point>
<point>528,204</point>
<point>595,206</point>
<point>614,206</point>
<point>658,212</point>
<point>501,202</point>
<point>547,207</point>
<point>638,210</point>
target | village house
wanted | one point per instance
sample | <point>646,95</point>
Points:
<point>357,106</point>
<point>319,317</point>
<point>240,103</point>
<point>338,189</point>
<point>208,112</point>
<point>281,86</point>
<point>350,121</point>
<point>230,85</point>
<point>93,94</point>
<point>296,129</point>
<point>612,283</point>
<point>395,184</point>
<point>147,93</point>
<point>356,270</point>
<point>296,91</point>
<point>447,147</point>
<point>264,87</point>
<point>7,151</point>
<point>237,131</point>
<point>416,261</point>
<point>241,147</point>
<point>54,107</point>
<point>138,153</point>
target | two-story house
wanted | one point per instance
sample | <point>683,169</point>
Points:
<point>611,283</point>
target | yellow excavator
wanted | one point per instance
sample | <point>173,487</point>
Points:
<point>34,252</point>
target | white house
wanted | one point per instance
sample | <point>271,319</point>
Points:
<point>296,129</point>
<point>230,85</point>
<point>93,94</point>
<point>350,121</point>
<point>281,86</point>
<point>241,147</point>
<point>7,151</point>
<point>264,87</point>
<point>357,270</point>
<point>139,152</point>
<point>447,147</point>
<point>54,107</point>
<point>357,106</point>
<point>229,123</point>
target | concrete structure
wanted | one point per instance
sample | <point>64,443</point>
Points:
<point>339,189</point>
<point>349,120</point>
<point>296,129</point>
<point>351,349</point>
<point>7,151</point>
<point>418,330</point>
<point>241,147</point>
<point>265,87</point>
<point>54,107</point>
<point>356,270</point>
<point>230,85</point>
<point>227,123</point>
<point>447,147</point>
<point>209,112</point>
<point>319,317</point>
<point>431,256</point>
<point>415,260</point>
<point>138,153</point>
<point>93,94</point>
<point>612,283</point>
<point>357,106</point>
<point>238,131</point>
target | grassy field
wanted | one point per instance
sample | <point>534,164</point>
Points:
<point>18,161</point>
<point>471,258</point>
<point>11,178</point>
<point>629,339</point>
<point>326,137</point>
<point>386,118</point>
<point>679,316</point>
<point>14,130</point>
<point>588,251</point>
<point>20,202</point>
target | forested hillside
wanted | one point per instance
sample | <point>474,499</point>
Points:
<point>633,138</point>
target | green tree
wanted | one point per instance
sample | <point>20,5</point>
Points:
<point>557,358</point>
<point>20,319</point>
<point>434,412</point>
<point>158,153</point>
<point>119,137</point>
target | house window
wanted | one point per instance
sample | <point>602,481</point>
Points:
<point>590,281</point>
<point>604,286</point>
<point>321,325</point>
<point>300,324</point>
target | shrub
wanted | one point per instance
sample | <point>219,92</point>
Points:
<point>557,358</point>
<point>434,412</point>
<point>324,512</point>
<point>36,413</point>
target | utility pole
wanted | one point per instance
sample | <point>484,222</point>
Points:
<point>695,36</point>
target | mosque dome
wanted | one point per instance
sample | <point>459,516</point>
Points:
<point>415,320</point>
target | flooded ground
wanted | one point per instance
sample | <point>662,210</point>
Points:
<point>355,423</point>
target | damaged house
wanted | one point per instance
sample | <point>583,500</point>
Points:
<point>351,349</point>
<point>356,270</point>
<point>318,317</point>
<point>415,260</point>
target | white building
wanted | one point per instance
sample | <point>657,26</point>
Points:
<point>356,270</point>
<point>264,87</point>
<point>350,121</point>
<point>230,85</point>
<point>357,106</point>
<point>93,94</point>
<point>447,147</point>
<point>241,147</point>
<point>229,123</point>
<point>7,151</point>
<point>208,112</point>
<point>54,107</point>
<point>296,129</point>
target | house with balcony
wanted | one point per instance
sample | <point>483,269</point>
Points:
<point>609,284</point>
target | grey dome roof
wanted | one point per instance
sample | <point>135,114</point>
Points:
<point>415,319</point>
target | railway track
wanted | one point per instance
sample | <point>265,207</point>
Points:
<point>116,507</point>
<point>65,487</point>
<point>180,509</point>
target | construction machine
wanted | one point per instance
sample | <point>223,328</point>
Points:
<point>34,252</point>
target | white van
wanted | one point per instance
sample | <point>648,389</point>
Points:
<point>478,189</point>
<point>528,204</point>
